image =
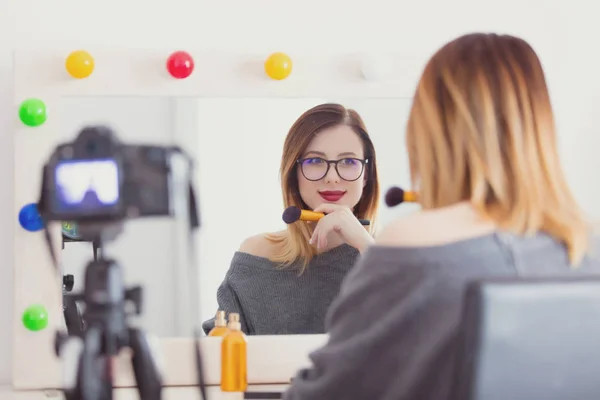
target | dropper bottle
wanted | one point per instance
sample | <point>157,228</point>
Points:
<point>220,327</point>
<point>234,364</point>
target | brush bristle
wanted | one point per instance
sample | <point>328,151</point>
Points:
<point>291,214</point>
<point>394,196</point>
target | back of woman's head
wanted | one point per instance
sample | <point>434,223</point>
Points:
<point>481,129</point>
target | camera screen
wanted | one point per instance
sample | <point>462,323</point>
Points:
<point>87,187</point>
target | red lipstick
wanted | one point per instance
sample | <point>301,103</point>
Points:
<point>332,195</point>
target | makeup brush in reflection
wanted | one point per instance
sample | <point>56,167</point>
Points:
<point>396,195</point>
<point>293,214</point>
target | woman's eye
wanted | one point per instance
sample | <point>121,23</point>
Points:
<point>313,161</point>
<point>348,161</point>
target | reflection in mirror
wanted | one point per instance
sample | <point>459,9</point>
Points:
<point>240,149</point>
<point>237,145</point>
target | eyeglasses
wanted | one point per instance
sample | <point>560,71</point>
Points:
<point>316,168</point>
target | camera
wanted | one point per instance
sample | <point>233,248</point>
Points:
<point>96,178</point>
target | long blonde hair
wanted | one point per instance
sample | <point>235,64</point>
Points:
<point>481,129</point>
<point>293,245</point>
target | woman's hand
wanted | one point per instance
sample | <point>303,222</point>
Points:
<point>339,219</point>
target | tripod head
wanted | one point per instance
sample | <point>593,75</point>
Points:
<point>72,313</point>
<point>105,297</point>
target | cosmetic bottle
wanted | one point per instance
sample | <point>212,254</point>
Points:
<point>220,327</point>
<point>234,366</point>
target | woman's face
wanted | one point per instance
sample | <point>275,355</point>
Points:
<point>318,178</point>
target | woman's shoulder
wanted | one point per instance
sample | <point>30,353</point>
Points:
<point>412,248</point>
<point>438,227</point>
<point>257,251</point>
<point>263,245</point>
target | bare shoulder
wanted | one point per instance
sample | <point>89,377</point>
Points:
<point>435,227</point>
<point>261,245</point>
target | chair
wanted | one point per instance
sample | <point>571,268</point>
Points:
<point>530,339</point>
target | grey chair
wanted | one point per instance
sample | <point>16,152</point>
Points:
<point>530,339</point>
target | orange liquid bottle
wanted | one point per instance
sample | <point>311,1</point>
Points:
<point>220,328</point>
<point>234,365</point>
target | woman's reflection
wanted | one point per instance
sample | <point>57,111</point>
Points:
<point>283,282</point>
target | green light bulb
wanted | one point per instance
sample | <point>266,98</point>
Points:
<point>35,317</point>
<point>33,112</point>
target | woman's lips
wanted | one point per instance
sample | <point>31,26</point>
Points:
<point>332,195</point>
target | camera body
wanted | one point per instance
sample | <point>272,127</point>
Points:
<point>96,178</point>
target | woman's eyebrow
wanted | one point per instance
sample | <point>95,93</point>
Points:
<point>320,153</point>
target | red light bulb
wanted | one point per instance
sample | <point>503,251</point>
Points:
<point>180,65</point>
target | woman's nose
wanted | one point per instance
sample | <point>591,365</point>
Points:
<point>332,175</point>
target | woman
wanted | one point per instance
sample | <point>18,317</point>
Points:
<point>495,203</point>
<point>283,282</point>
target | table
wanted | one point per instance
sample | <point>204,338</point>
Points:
<point>169,393</point>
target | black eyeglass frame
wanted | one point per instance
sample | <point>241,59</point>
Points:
<point>362,162</point>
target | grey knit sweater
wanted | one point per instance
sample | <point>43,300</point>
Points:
<point>272,300</point>
<point>394,325</point>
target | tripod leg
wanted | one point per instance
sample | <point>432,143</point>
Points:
<point>72,315</point>
<point>145,367</point>
<point>69,349</point>
<point>94,381</point>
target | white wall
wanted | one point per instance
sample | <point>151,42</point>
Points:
<point>563,33</point>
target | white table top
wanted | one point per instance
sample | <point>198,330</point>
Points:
<point>170,393</point>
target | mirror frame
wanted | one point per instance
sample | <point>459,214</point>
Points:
<point>42,74</point>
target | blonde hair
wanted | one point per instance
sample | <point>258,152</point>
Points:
<point>481,129</point>
<point>293,245</point>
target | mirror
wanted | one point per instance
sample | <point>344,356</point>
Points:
<point>237,146</point>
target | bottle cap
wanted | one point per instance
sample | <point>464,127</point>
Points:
<point>220,319</point>
<point>234,322</point>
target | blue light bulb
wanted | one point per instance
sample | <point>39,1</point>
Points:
<point>30,218</point>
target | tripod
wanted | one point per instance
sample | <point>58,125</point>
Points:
<point>165,174</point>
<point>107,332</point>
<point>73,320</point>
